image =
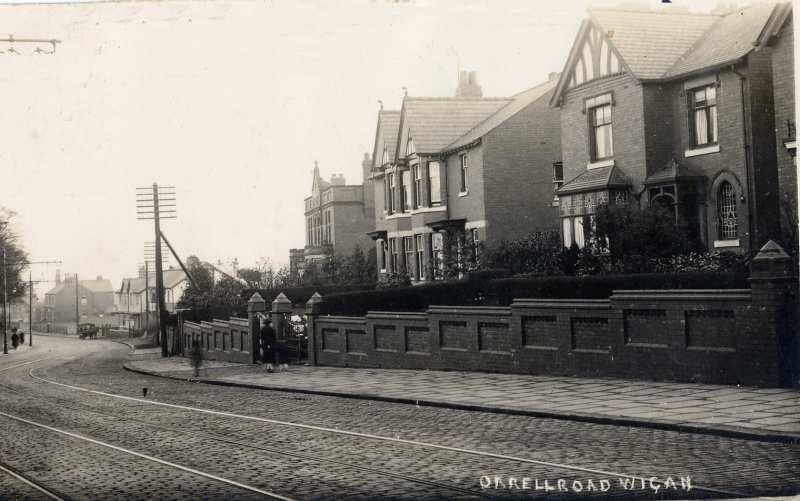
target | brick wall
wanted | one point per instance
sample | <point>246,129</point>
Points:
<point>762,140</point>
<point>470,206</point>
<point>350,227</point>
<point>518,172</point>
<point>228,340</point>
<point>734,336</point>
<point>784,102</point>
<point>628,127</point>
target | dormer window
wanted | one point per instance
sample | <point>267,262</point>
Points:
<point>410,149</point>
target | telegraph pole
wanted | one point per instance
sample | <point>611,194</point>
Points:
<point>153,202</point>
<point>5,306</point>
<point>77,308</point>
<point>146,299</point>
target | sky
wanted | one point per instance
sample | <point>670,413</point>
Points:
<point>231,102</point>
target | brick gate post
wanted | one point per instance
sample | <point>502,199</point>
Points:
<point>281,305</point>
<point>774,292</point>
<point>313,310</point>
<point>255,305</point>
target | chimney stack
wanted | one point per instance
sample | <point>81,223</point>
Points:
<point>58,277</point>
<point>337,180</point>
<point>468,85</point>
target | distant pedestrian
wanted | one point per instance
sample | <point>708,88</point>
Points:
<point>266,342</point>
<point>21,337</point>
<point>14,340</point>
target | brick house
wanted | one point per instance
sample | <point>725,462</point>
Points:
<point>779,34</point>
<point>673,109</point>
<point>338,216</point>
<point>96,299</point>
<point>132,306</point>
<point>450,168</point>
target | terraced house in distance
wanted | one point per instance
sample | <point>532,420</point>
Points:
<point>677,109</point>
<point>448,167</point>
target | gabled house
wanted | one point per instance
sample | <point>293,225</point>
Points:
<point>338,215</point>
<point>673,109</point>
<point>94,298</point>
<point>448,168</point>
<point>136,297</point>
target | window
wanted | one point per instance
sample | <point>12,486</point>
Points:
<point>558,179</point>
<point>408,248</point>
<point>394,255</point>
<point>420,262</point>
<point>704,115</point>
<point>476,244</point>
<point>327,237</point>
<point>434,185</point>
<point>600,121</point>
<point>726,212</point>
<point>464,173</point>
<point>386,193</point>
<point>558,174</point>
<point>382,251</point>
<point>437,246</point>
<point>566,231</point>
<point>391,191</point>
<point>417,185</point>
<point>577,223</point>
<point>405,189</point>
<point>309,235</point>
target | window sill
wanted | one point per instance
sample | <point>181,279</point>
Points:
<point>701,151</point>
<point>463,193</point>
<point>437,208</point>
<point>398,215</point>
<point>726,243</point>
<point>600,163</point>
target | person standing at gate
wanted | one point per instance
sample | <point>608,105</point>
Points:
<point>267,344</point>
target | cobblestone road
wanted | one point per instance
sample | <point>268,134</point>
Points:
<point>308,463</point>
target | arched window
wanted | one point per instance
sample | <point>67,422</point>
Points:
<point>726,212</point>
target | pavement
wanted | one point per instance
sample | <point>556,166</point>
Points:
<point>768,414</point>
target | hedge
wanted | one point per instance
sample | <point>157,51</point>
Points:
<point>502,291</point>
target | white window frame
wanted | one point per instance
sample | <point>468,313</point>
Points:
<point>464,170</point>
<point>420,256</point>
<point>435,196</point>
<point>417,175</point>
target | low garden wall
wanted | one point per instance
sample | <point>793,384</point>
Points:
<point>726,336</point>
<point>228,340</point>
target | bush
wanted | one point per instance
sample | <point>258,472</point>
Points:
<point>502,291</point>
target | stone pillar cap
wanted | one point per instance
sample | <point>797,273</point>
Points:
<point>280,299</point>
<point>256,298</point>
<point>771,250</point>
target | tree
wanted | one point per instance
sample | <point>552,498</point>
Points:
<point>626,230</point>
<point>211,300</point>
<point>16,257</point>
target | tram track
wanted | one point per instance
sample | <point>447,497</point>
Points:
<point>130,452</point>
<point>31,482</point>
<point>381,438</point>
<point>65,403</point>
